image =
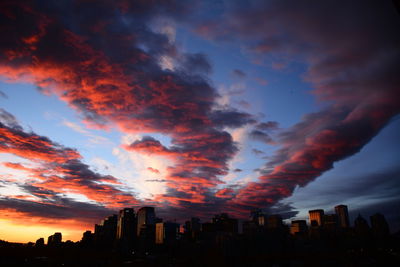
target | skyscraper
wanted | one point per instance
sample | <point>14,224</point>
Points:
<point>126,224</point>
<point>166,232</point>
<point>298,227</point>
<point>145,217</point>
<point>343,216</point>
<point>316,217</point>
<point>361,226</point>
<point>105,233</point>
<point>274,221</point>
<point>379,226</point>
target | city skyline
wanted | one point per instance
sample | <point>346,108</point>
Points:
<point>196,109</point>
<point>127,226</point>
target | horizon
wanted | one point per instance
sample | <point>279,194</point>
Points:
<point>196,109</point>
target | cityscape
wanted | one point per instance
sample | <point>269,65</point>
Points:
<point>142,239</point>
<point>243,133</point>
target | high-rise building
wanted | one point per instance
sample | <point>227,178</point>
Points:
<point>105,232</point>
<point>379,226</point>
<point>146,219</point>
<point>192,228</point>
<point>298,227</point>
<point>258,217</point>
<point>223,223</point>
<point>274,221</point>
<point>54,240</point>
<point>330,221</point>
<point>316,217</point>
<point>361,226</point>
<point>39,242</point>
<point>166,232</point>
<point>343,216</point>
<point>126,225</point>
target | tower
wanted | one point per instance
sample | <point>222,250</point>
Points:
<point>316,217</point>
<point>343,216</point>
<point>126,224</point>
<point>145,217</point>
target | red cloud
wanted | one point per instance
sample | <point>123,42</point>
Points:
<point>153,170</point>
<point>60,169</point>
<point>117,82</point>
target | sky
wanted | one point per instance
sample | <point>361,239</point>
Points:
<point>196,108</point>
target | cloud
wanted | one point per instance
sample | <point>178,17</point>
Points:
<point>352,63</point>
<point>257,151</point>
<point>153,170</point>
<point>8,119</point>
<point>239,73</point>
<point>3,95</point>
<point>261,136</point>
<point>93,139</point>
<point>58,169</point>
<point>104,61</point>
<point>267,126</point>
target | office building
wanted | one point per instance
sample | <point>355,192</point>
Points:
<point>274,221</point>
<point>316,217</point>
<point>361,226</point>
<point>223,223</point>
<point>126,225</point>
<point>54,240</point>
<point>105,232</point>
<point>298,227</point>
<point>342,216</point>
<point>330,221</point>
<point>166,232</point>
<point>379,226</point>
<point>145,216</point>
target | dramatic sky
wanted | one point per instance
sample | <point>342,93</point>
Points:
<point>196,108</point>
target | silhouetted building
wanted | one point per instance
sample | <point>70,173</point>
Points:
<point>126,225</point>
<point>342,215</point>
<point>105,232</point>
<point>166,232</point>
<point>146,220</point>
<point>258,217</point>
<point>379,226</point>
<point>249,228</point>
<point>316,217</point>
<point>39,242</point>
<point>298,227</point>
<point>54,240</point>
<point>361,226</point>
<point>87,238</point>
<point>223,223</point>
<point>145,216</point>
<point>330,221</point>
<point>192,227</point>
<point>274,221</point>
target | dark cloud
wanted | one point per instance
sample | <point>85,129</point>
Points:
<point>352,56</point>
<point>60,169</point>
<point>8,119</point>
<point>196,63</point>
<point>257,151</point>
<point>267,126</point>
<point>237,170</point>
<point>231,118</point>
<point>105,63</point>
<point>244,104</point>
<point>156,180</point>
<point>3,95</point>
<point>261,136</point>
<point>63,208</point>
<point>239,73</point>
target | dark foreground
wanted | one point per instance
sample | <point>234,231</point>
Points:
<point>222,251</point>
